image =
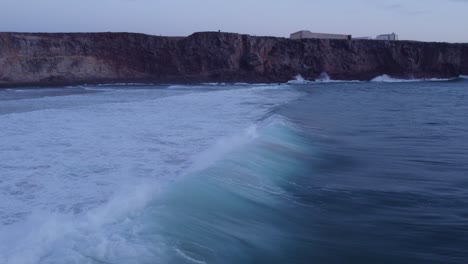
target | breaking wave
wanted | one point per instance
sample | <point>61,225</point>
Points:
<point>323,78</point>
<point>232,198</point>
<point>90,207</point>
<point>299,80</point>
<point>389,79</point>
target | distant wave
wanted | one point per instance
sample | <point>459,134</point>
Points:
<point>100,89</point>
<point>299,80</point>
<point>390,79</point>
<point>188,86</point>
<point>323,78</point>
<point>126,84</point>
<point>214,84</point>
<point>17,90</point>
<point>232,84</point>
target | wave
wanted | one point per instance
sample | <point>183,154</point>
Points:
<point>227,145</point>
<point>234,84</point>
<point>222,147</point>
<point>91,209</point>
<point>25,90</point>
<point>389,79</point>
<point>244,192</point>
<point>323,78</point>
<point>98,89</point>
<point>223,86</point>
<point>299,80</point>
<point>126,84</point>
<point>193,86</point>
<point>215,84</point>
<point>250,84</point>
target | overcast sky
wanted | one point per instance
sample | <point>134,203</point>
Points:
<point>428,20</point>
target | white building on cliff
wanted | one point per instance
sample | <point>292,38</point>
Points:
<point>306,34</point>
<point>392,36</point>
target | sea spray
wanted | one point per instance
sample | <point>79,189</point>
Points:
<point>323,78</point>
<point>298,79</point>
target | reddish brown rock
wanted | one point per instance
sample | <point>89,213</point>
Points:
<point>69,58</point>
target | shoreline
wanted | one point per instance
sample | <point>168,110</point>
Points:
<point>377,79</point>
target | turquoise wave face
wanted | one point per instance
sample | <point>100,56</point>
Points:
<point>238,210</point>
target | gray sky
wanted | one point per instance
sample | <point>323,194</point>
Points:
<point>428,20</point>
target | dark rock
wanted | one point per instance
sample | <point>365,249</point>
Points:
<point>57,59</point>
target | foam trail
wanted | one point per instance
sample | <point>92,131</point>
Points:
<point>190,259</point>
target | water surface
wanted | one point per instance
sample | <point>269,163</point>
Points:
<point>314,173</point>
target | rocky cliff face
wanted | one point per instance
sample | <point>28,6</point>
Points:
<point>56,59</point>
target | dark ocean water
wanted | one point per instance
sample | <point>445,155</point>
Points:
<point>388,183</point>
<point>314,173</point>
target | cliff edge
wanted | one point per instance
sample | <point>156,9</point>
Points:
<point>79,58</point>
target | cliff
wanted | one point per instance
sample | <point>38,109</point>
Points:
<point>78,58</point>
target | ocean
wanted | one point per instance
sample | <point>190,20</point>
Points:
<point>305,172</point>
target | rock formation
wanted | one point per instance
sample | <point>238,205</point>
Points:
<point>86,58</point>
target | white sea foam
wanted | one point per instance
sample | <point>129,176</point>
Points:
<point>323,78</point>
<point>299,80</point>
<point>125,84</point>
<point>18,90</point>
<point>388,78</point>
<point>249,84</point>
<point>72,177</point>
<point>187,87</point>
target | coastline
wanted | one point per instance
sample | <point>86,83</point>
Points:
<point>68,59</point>
<point>382,79</point>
